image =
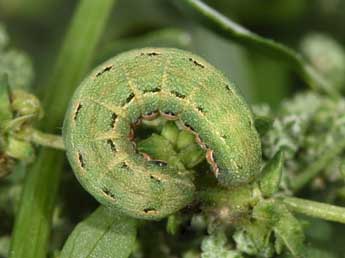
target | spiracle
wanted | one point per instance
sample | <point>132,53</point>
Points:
<point>141,85</point>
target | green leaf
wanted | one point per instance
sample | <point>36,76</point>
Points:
<point>170,132</point>
<point>184,139</point>
<point>191,155</point>
<point>291,232</point>
<point>285,226</point>
<point>105,233</point>
<point>159,148</point>
<point>271,175</point>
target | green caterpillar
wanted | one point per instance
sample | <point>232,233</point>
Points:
<point>140,84</point>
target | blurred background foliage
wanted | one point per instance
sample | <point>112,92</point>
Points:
<point>37,27</point>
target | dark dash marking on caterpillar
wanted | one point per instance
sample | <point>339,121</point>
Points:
<point>77,111</point>
<point>130,97</point>
<point>168,115</point>
<point>250,123</point>
<point>105,69</point>
<point>124,165</point>
<point>150,54</point>
<point>153,54</point>
<point>108,193</point>
<point>112,145</point>
<point>201,109</point>
<point>113,120</point>
<point>160,163</point>
<point>196,63</point>
<point>150,210</point>
<point>81,160</point>
<point>189,127</point>
<point>156,179</point>
<point>178,94</point>
<point>150,116</point>
<point>156,89</point>
<point>228,88</point>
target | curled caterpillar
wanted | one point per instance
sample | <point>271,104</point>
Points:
<point>141,84</point>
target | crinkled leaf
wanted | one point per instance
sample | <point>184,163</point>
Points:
<point>191,155</point>
<point>271,175</point>
<point>216,245</point>
<point>105,233</point>
<point>285,226</point>
<point>254,239</point>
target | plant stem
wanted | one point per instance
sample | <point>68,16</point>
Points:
<point>33,221</point>
<point>47,140</point>
<point>316,209</point>
<point>231,30</point>
<point>315,168</point>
